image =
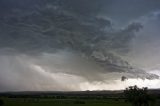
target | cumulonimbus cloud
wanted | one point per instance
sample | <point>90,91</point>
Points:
<point>41,42</point>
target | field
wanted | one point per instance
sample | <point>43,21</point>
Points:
<point>67,99</point>
<point>65,102</point>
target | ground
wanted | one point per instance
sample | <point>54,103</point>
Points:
<point>65,102</point>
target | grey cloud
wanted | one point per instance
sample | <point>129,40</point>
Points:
<point>63,38</point>
<point>49,29</point>
<point>145,46</point>
<point>19,73</point>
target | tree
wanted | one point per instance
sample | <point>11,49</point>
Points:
<point>137,96</point>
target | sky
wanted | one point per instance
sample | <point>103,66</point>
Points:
<point>77,45</point>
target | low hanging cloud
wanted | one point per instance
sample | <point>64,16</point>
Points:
<point>28,73</point>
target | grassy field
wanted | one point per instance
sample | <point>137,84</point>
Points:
<point>85,98</point>
<point>65,102</point>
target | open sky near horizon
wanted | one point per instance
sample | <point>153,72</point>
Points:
<point>71,45</point>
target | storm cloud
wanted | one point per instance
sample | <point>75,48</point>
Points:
<point>73,45</point>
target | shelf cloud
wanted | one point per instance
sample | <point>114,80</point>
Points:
<point>68,45</point>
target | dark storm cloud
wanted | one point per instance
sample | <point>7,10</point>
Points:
<point>69,38</point>
<point>146,43</point>
<point>127,10</point>
<point>52,28</point>
<point>120,11</point>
